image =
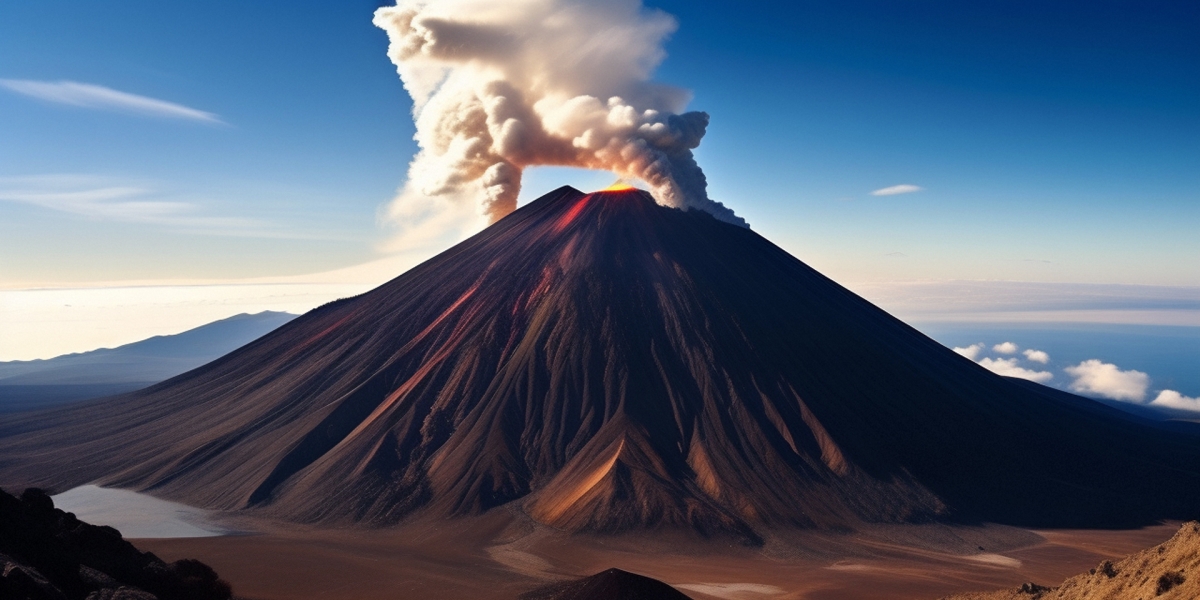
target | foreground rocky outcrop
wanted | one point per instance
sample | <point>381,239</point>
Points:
<point>48,554</point>
<point>1169,571</point>
<point>613,584</point>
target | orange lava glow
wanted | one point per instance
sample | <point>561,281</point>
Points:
<point>619,186</point>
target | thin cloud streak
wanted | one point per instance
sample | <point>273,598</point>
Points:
<point>104,199</point>
<point>86,95</point>
<point>118,203</point>
<point>903,188</point>
<point>1029,302</point>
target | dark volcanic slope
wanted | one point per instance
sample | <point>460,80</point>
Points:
<point>609,363</point>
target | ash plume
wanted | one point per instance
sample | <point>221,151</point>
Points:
<point>501,86</point>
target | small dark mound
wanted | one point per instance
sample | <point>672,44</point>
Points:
<point>48,554</point>
<point>613,584</point>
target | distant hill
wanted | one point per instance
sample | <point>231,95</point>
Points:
<point>37,383</point>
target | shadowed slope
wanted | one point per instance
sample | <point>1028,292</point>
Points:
<point>611,363</point>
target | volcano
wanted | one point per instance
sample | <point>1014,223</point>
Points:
<point>603,363</point>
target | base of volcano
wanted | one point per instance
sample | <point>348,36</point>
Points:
<point>500,556</point>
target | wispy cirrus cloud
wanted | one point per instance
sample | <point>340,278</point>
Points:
<point>86,95</point>
<point>105,199</point>
<point>904,188</point>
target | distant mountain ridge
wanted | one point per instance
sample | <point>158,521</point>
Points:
<point>107,371</point>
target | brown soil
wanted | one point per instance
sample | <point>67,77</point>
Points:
<point>501,558</point>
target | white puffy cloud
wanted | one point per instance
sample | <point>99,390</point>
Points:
<point>1173,399</point>
<point>904,188</point>
<point>971,352</point>
<point>1006,348</point>
<point>501,86</point>
<point>1008,367</point>
<point>1037,356</point>
<point>87,95</point>
<point>1106,380</point>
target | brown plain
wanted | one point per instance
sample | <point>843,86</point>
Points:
<point>503,556</point>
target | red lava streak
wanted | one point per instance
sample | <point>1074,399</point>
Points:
<point>571,214</point>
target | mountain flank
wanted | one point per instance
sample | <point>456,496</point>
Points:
<point>602,363</point>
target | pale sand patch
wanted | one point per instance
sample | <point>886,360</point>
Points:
<point>138,515</point>
<point>524,563</point>
<point>995,559</point>
<point>852,567</point>
<point>732,591</point>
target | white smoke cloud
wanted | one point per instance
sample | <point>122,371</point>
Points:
<point>1037,356</point>
<point>971,352</point>
<point>1106,380</point>
<point>1008,367</point>
<point>501,86</point>
<point>1173,399</point>
<point>1006,348</point>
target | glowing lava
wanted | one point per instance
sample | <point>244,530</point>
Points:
<point>619,186</point>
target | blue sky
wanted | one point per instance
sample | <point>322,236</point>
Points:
<point>226,149</point>
<point>1052,142</point>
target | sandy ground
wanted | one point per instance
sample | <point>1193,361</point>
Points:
<point>498,558</point>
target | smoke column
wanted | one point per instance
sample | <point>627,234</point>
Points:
<point>501,86</point>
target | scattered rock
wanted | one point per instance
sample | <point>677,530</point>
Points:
<point>1033,589</point>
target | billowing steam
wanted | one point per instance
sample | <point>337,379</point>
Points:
<point>501,86</point>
